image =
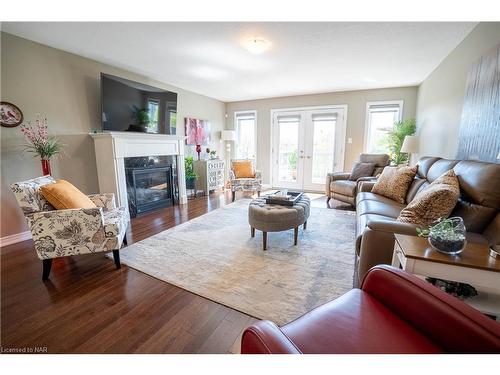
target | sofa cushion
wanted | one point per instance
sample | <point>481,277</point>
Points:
<point>417,185</point>
<point>374,197</point>
<point>391,209</point>
<point>361,170</point>
<point>434,202</point>
<point>64,195</point>
<point>476,218</point>
<point>394,182</point>
<point>344,187</point>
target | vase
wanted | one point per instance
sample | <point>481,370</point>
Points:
<point>448,239</point>
<point>46,167</point>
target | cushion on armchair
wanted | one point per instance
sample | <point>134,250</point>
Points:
<point>243,169</point>
<point>361,170</point>
<point>64,195</point>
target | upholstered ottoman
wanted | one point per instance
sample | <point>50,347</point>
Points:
<point>277,218</point>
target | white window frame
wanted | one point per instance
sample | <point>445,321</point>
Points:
<point>399,103</point>
<point>236,128</point>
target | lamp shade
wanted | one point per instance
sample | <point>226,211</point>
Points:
<point>410,144</point>
<point>228,135</point>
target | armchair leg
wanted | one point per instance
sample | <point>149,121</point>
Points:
<point>47,265</point>
<point>233,195</point>
<point>328,201</point>
<point>258,193</point>
<point>124,242</point>
<point>116,257</point>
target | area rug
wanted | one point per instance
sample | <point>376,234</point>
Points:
<point>214,256</point>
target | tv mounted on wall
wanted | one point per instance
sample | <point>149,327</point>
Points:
<point>133,106</point>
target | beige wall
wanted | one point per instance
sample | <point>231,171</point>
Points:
<point>441,95</point>
<point>356,112</point>
<point>65,88</point>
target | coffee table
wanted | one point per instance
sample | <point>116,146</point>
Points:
<point>473,266</point>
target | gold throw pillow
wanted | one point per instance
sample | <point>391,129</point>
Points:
<point>63,195</point>
<point>435,201</point>
<point>394,182</point>
<point>243,169</point>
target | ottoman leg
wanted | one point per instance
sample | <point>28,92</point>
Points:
<point>295,235</point>
<point>264,240</point>
<point>305,225</point>
<point>252,231</point>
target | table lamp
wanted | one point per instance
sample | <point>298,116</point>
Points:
<point>410,146</point>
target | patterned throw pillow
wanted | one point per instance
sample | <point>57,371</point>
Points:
<point>361,170</point>
<point>394,182</point>
<point>243,169</point>
<point>436,201</point>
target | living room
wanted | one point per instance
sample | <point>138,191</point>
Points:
<point>250,187</point>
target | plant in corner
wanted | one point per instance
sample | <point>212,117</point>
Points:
<point>191,176</point>
<point>39,142</point>
<point>394,140</point>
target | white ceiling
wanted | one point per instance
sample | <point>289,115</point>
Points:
<point>208,58</point>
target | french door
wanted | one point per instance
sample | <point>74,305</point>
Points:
<point>306,145</point>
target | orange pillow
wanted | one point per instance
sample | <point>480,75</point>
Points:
<point>63,195</point>
<point>243,169</point>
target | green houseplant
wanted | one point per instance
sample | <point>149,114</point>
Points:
<point>394,140</point>
<point>191,176</point>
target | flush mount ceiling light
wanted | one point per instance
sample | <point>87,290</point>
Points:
<point>257,45</point>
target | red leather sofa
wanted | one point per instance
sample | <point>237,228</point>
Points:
<point>393,312</point>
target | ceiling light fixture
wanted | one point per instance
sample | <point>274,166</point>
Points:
<point>257,45</point>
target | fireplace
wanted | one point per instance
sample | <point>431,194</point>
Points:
<point>118,153</point>
<point>150,183</point>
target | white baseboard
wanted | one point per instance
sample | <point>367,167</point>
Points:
<point>15,238</point>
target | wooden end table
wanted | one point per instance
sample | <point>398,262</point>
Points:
<point>473,266</point>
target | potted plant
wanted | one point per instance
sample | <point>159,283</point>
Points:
<point>191,176</point>
<point>446,235</point>
<point>141,118</point>
<point>394,140</point>
<point>39,143</point>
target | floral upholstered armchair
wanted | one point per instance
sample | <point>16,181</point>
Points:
<point>251,181</point>
<point>61,233</point>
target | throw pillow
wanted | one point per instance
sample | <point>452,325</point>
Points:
<point>63,195</point>
<point>361,170</point>
<point>394,182</point>
<point>435,201</point>
<point>243,169</point>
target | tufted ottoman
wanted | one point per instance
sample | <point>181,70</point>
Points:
<point>277,218</point>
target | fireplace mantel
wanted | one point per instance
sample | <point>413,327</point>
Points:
<point>111,148</point>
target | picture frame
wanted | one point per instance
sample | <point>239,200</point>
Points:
<point>10,115</point>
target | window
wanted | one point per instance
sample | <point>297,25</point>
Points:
<point>246,129</point>
<point>154,114</point>
<point>380,119</point>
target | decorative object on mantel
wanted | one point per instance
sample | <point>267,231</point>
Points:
<point>39,142</point>
<point>395,139</point>
<point>478,137</point>
<point>10,115</point>
<point>446,236</point>
<point>197,132</point>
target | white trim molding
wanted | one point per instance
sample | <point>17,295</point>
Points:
<point>15,238</point>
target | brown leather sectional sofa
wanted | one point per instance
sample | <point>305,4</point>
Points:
<point>479,206</point>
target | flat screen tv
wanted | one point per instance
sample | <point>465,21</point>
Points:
<point>133,106</point>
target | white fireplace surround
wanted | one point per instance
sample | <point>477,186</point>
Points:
<point>111,149</point>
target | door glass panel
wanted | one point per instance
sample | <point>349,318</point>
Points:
<point>288,148</point>
<point>323,146</point>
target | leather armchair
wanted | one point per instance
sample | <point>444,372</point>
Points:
<point>339,186</point>
<point>393,312</point>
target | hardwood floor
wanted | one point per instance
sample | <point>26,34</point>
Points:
<point>90,307</point>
